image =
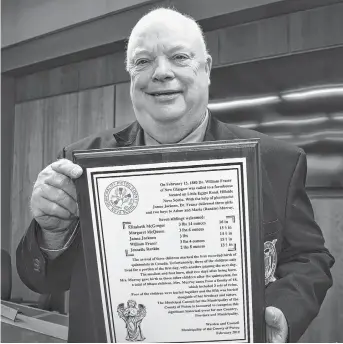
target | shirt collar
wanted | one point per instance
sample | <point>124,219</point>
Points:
<point>195,136</point>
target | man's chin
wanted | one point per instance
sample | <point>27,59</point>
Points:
<point>165,117</point>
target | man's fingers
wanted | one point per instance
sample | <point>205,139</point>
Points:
<point>58,196</point>
<point>54,200</point>
<point>52,223</point>
<point>62,182</point>
<point>66,167</point>
<point>47,207</point>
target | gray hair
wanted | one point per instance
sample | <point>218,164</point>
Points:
<point>169,11</point>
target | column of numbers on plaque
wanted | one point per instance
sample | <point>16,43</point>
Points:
<point>192,234</point>
<point>226,233</point>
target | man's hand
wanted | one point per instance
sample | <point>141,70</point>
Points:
<point>54,201</point>
<point>277,327</point>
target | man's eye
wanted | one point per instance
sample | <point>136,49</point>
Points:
<point>180,57</point>
<point>142,62</point>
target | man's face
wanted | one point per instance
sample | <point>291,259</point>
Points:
<point>169,75</point>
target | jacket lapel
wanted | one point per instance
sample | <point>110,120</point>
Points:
<point>131,135</point>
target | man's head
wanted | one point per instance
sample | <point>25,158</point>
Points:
<point>170,74</point>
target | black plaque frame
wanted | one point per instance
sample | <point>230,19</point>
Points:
<point>248,149</point>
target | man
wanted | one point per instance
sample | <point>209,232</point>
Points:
<point>170,76</point>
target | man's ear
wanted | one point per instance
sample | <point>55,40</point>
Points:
<point>208,67</point>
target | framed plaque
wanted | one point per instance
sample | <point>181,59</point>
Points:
<point>173,243</point>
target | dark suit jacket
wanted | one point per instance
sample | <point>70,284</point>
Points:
<point>303,270</point>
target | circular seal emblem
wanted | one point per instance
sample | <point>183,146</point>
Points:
<point>121,197</point>
<point>270,260</point>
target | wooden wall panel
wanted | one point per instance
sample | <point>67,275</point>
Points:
<point>103,70</point>
<point>95,111</point>
<point>74,116</point>
<point>327,327</point>
<point>60,124</point>
<point>254,40</point>
<point>316,28</point>
<point>212,42</point>
<point>124,110</point>
<point>27,162</point>
<point>88,74</point>
<point>42,128</point>
<point>7,135</point>
<point>64,79</point>
<point>31,86</point>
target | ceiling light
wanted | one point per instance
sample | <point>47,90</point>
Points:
<point>306,94</point>
<point>296,121</point>
<point>240,103</point>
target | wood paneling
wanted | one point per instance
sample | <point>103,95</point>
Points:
<point>95,111</point>
<point>254,40</point>
<point>316,28</point>
<point>104,70</point>
<point>124,110</point>
<point>27,162</point>
<point>7,134</point>
<point>42,128</point>
<point>60,124</point>
<point>212,42</point>
<point>327,327</point>
<point>47,83</point>
<point>88,74</point>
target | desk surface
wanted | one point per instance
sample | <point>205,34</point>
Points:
<point>33,325</point>
<point>14,334</point>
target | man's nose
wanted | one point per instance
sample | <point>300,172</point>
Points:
<point>163,70</point>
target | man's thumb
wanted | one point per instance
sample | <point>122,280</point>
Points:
<point>273,316</point>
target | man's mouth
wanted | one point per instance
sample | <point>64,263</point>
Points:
<point>164,93</point>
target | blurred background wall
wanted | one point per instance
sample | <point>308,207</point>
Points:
<point>277,66</point>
